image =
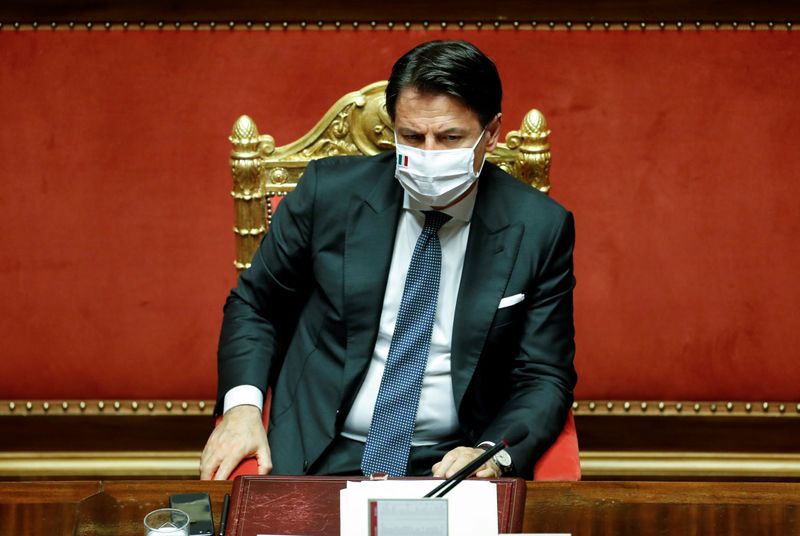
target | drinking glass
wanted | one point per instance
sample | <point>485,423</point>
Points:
<point>166,522</point>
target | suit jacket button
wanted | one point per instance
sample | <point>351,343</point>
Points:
<point>305,465</point>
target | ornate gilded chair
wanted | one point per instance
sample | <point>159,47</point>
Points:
<point>358,124</point>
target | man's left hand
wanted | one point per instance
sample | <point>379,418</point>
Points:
<point>459,458</point>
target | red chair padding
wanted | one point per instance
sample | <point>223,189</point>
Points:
<point>249,466</point>
<point>560,462</point>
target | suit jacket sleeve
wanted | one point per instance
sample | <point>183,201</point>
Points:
<point>542,375</point>
<point>260,313</point>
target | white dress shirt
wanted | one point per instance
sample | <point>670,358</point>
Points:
<point>437,418</point>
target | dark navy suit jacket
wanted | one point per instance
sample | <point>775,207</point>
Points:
<point>304,318</point>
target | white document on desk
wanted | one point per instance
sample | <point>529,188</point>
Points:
<point>472,505</point>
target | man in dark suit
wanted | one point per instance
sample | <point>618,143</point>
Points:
<point>406,309</point>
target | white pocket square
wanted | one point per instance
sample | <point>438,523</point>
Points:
<point>508,301</point>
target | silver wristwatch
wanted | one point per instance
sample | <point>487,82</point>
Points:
<point>502,458</point>
<point>503,461</point>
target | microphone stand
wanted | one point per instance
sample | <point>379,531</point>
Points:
<point>443,488</point>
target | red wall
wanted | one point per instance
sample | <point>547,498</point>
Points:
<point>675,150</point>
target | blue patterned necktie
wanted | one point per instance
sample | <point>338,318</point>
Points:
<point>389,438</point>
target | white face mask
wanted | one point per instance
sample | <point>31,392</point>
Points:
<point>436,178</point>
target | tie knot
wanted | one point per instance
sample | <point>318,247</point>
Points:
<point>434,220</point>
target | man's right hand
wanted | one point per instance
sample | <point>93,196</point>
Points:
<point>239,435</point>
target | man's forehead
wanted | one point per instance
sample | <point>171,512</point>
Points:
<point>415,109</point>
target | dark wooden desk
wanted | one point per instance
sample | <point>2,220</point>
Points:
<point>92,507</point>
<point>663,508</point>
<point>582,508</point>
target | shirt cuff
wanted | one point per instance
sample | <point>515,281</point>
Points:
<point>243,395</point>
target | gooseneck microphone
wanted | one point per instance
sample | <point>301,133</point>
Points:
<point>513,435</point>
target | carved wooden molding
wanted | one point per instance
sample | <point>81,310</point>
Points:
<point>69,408</point>
<point>525,25</point>
<point>596,465</point>
<point>176,464</point>
<point>603,465</point>
<point>616,408</point>
<point>619,439</point>
<point>687,408</point>
<point>366,14</point>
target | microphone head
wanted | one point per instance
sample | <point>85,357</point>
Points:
<point>515,433</point>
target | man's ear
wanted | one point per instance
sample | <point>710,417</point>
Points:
<point>493,132</point>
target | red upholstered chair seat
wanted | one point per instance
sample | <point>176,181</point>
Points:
<point>560,462</point>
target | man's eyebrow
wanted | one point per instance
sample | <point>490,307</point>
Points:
<point>453,130</point>
<point>445,132</point>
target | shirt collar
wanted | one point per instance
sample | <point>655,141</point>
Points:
<point>460,211</point>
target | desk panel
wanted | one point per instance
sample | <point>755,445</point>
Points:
<point>42,507</point>
<point>621,508</point>
<point>582,508</point>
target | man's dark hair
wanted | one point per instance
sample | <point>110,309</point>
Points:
<point>454,68</point>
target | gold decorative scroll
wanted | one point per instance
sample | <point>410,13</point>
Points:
<point>358,124</point>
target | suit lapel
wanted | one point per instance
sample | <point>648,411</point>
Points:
<point>369,243</point>
<point>492,248</point>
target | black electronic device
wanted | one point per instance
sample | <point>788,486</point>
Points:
<point>198,508</point>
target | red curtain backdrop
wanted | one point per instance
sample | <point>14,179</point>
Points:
<point>676,150</point>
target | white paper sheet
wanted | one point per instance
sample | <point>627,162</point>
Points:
<point>472,504</point>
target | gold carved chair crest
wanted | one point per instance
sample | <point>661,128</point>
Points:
<point>358,124</point>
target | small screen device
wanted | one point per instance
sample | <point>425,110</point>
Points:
<point>198,507</point>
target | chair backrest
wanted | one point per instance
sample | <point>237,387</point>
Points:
<point>358,124</point>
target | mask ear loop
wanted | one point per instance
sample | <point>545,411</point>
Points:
<point>474,145</point>
<point>485,153</point>
<point>472,172</point>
